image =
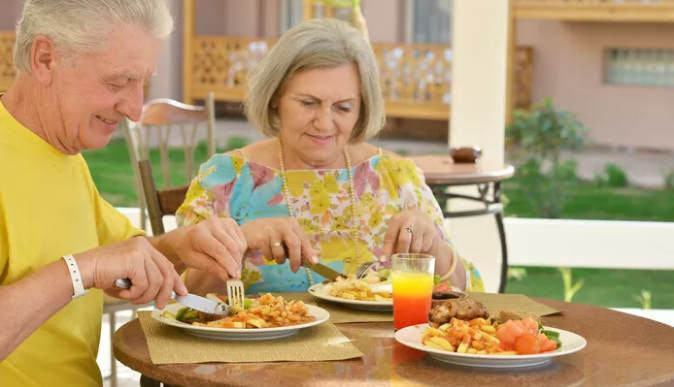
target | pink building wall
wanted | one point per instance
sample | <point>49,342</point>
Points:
<point>569,67</point>
<point>568,63</point>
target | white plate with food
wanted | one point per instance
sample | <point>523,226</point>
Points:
<point>263,319</point>
<point>371,293</point>
<point>435,342</point>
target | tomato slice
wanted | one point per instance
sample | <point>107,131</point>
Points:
<point>527,344</point>
<point>548,345</point>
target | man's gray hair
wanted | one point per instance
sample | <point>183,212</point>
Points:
<point>83,26</point>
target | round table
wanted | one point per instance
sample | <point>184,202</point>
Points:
<point>622,350</point>
<point>441,173</point>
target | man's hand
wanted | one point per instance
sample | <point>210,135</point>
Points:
<point>215,246</point>
<point>152,276</point>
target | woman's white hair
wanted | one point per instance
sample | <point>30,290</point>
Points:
<point>83,26</point>
<point>314,44</point>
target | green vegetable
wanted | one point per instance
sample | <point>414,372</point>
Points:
<point>180,316</point>
<point>384,274</point>
<point>436,280</point>
<point>191,314</point>
<point>247,303</point>
<point>550,334</point>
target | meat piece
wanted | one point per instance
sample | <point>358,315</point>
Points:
<point>463,309</point>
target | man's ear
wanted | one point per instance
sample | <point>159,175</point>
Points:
<point>43,59</point>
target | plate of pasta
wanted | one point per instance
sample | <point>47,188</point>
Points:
<point>372,293</point>
<point>264,318</point>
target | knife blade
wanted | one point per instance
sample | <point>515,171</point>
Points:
<point>322,270</point>
<point>191,300</point>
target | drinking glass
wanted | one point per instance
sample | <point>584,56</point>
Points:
<point>412,277</point>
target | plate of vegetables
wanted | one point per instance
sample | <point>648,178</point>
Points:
<point>264,318</point>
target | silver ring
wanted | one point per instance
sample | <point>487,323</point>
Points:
<point>277,244</point>
<point>409,229</point>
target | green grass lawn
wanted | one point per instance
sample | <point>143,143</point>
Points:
<point>112,173</point>
<point>111,170</point>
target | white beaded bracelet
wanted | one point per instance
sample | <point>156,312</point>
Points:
<point>74,270</point>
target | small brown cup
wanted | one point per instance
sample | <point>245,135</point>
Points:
<point>466,155</point>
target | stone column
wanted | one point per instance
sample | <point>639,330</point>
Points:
<point>167,83</point>
<point>478,90</point>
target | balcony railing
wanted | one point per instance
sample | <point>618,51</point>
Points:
<point>416,78</point>
<point>7,72</point>
<point>596,10</point>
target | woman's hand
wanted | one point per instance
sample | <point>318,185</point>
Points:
<point>280,239</point>
<point>411,232</point>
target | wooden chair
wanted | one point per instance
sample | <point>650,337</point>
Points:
<point>162,116</point>
<point>159,202</point>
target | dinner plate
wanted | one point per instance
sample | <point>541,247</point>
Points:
<point>411,337</point>
<point>321,315</point>
<point>318,291</point>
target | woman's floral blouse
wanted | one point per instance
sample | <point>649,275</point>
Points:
<point>233,186</point>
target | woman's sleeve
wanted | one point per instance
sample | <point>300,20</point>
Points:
<point>201,202</point>
<point>417,195</point>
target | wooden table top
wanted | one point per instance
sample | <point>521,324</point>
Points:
<point>441,170</point>
<point>622,350</point>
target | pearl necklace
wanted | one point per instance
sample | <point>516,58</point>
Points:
<point>352,197</point>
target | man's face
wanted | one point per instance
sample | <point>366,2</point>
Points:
<point>95,93</point>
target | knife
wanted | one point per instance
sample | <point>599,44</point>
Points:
<point>191,300</point>
<point>322,270</point>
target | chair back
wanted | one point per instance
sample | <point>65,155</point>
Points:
<point>161,202</point>
<point>165,124</point>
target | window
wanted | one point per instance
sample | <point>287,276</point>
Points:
<point>431,21</point>
<point>644,67</point>
<point>292,13</point>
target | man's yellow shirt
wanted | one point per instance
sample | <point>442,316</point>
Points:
<point>49,207</point>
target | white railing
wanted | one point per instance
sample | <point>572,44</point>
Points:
<point>590,243</point>
<point>571,243</point>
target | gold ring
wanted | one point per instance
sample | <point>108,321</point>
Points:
<point>277,244</point>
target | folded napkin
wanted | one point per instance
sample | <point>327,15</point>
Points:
<point>168,345</point>
<point>516,303</point>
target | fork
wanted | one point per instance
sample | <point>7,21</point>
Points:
<point>235,293</point>
<point>365,268</point>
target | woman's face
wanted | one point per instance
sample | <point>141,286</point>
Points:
<point>317,111</point>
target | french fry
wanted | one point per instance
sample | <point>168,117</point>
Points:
<point>445,327</point>
<point>444,344</point>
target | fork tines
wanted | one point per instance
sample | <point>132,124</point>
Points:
<point>235,293</point>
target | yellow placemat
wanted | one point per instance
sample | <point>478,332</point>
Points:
<point>169,345</point>
<point>496,302</point>
<point>341,314</point>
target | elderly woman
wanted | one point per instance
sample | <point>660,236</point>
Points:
<point>316,188</point>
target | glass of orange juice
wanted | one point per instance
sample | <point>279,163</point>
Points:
<point>412,278</point>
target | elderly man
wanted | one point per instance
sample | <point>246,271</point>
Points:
<point>82,65</point>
